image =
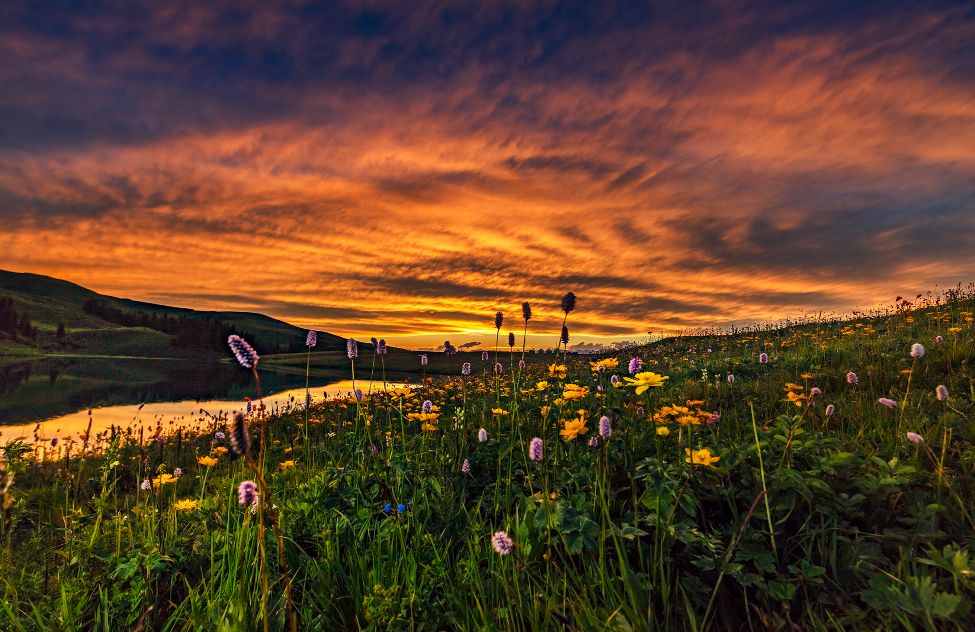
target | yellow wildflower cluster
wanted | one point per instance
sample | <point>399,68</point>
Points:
<point>208,461</point>
<point>682,415</point>
<point>185,505</point>
<point>794,394</point>
<point>557,370</point>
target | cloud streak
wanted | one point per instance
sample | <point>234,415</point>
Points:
<point>383,167</point>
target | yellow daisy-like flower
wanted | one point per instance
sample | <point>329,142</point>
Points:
<point>573,428</point>
<point>541,386</point>
<point>186,505</point>
<point>645,380</point>
<point>795,398</point>
<point>424,417</point>
<point>689,420</point>
<point>208,461</point>
<point>404,392</point>
<point>219,450</point>
<point>954,329</point>
<point>287,464</point>
<point>163,479</point>
<point>500,411</point>
<point>286,450</point>
<point>557,370</point>
<point>429,427</point>
<point>701,457</point>
<point>789,386</point>
<point>663,431</point>
<point>806,376</point>
<point>610,363</point>
<point>544,410</point>
<point>574,391</point>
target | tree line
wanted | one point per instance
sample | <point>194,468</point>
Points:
<point>191,332</point>
<point>14,324</point>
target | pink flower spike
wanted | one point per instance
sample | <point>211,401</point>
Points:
<point>889,403</point>
<point>916,438</point>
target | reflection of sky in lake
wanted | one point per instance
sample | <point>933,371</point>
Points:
<point>185,413</point>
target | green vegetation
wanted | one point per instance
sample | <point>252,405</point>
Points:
<point>711,503</point>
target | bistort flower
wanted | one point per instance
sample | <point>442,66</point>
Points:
<point>502,543</point>
<point>311,339</point>
<point>244,352</point>
<point>535,449</point>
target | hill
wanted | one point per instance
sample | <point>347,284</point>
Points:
<point>48,302</point>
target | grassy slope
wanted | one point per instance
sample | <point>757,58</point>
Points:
<point>49,301</point>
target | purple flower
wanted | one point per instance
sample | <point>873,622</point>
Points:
<point>498,368</point>
<point>54,442</point>
<point>916,438</point>
<point>889,403</point>
<point>502,543</point>
<point>852,378</point>
<point>535,449</point>
<point>427,406</point>
<point>600,368</point>
<point>466,369</point>
<point>815,391</point>
<point>498,320</point>
<point>942,393</point>
<point>639,411</point>
<point>358,394</point>
<point>373,449</point>
<point>714,418</point>
<point>521,364</point>
<point>244,352</point>
<point>484,356</point>
<point>511,339</point>
<point>709,351</point>
<point>565,335</point>
<point>219,435</point>
<point>466,467</point>
<point>635,365</point>
<point>247,493</point>
<point>526,311</point>
<point>605,428</point>
<point>939,339</point>
<point>763,358</point>
<point>311,339</point>
<point>830,410</point>
<point>593,442</point>
<point>482,435</point>
<point>146,485</point>
<point>599,388</point>
<point>917,350</point>
<point>568,302</point>
<point>614,380</point>
<point>240,441</point>
<point>381,349</point>
<point>423,360</point>
<point>352,348</point>
<point>731,378</point>
<point>177,472</point>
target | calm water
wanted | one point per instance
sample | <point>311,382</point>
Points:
<point>58,393</point>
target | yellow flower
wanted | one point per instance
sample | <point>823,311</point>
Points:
<point>219,450</point>
<point>644,380</point>
<point>209,461</point>
<point>287,464</point>
<point>573,428</point>
<point>404,392</point>
<point>542,385</point>
<point>186,505</point>
<point>806,376</point>
<point>954,329</point>
<point>663,431</point>
<point>795,398</point>
<point>610,363</point>
<point>544,410</point>
<point>428,427</point>
<point>424,417</point>
<point>789,386</point>
<point>700,457</point>
<point>574,391</point>
<point>286,450</point>
<point>162,479</point>
<point>689,420</point>
<point>500,411</point>
<point>557,370</point>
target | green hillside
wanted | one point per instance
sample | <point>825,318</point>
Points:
<point>48,302</point>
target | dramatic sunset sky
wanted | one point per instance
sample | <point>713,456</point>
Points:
<point>405,169</point>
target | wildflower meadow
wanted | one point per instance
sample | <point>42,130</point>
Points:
<point>815,476</point>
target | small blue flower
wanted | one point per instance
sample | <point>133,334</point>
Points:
<point>386,508</point>
<point>401,508</point>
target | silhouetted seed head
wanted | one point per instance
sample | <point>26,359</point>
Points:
<point>375,343</point>
<point>244,352</point>
<point>423,359</point>
<point>240,441</point>
<point>511,339</point>
<point>942,393</point>
<point>526,311</point>
<point>498,320</point>
<point>565,335</point>
<point>568,302</point>
<point>247,493</point>
<point>352,348</point>
<point>311,339</point>
<point>605,427</point>
<point>852,378</point>
<point>466,369</point>
<point>917,350</point>
<point>381,349</point>
<point>536,449</point>
<point>484,356</point>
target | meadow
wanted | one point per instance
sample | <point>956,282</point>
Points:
<point>819,476</point>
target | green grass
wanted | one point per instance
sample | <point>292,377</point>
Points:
<point>804,521</point>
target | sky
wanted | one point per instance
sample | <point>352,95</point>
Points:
<point>406,169</point>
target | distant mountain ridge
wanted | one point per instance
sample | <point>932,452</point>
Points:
<point>50,302</point>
